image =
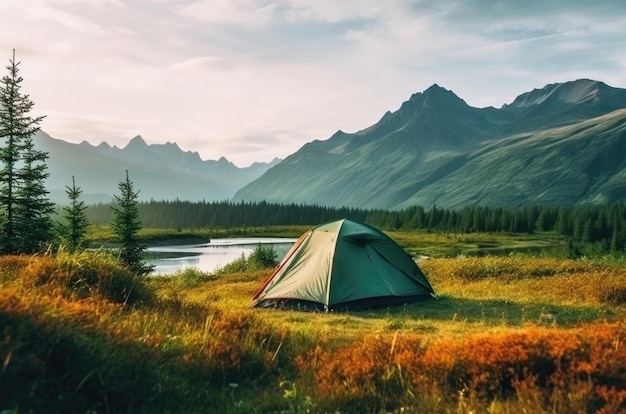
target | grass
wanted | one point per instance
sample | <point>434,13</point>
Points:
<point>415,242</point>
<point>508,334</point>
<point>436,244</point>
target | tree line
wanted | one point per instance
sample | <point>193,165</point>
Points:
<point>589,229</point>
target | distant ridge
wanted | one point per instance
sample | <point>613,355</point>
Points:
<point>556,145</point>
<point>159,171</point>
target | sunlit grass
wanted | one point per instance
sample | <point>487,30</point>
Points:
<point>508,334</point>
<point>446,244</point>
<point>491,292</point>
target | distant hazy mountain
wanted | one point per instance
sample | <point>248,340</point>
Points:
<point>563,144</point>
<point>159,171</point>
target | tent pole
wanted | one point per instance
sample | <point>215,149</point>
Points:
<point>330,268</point>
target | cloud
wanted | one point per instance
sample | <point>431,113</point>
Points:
<point>240,12</point>
<point>254,79</point>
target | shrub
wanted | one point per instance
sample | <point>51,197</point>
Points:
<point>85,274</point>
<point>238,265</point>
<point>262,257</point>
<point>191,277</point>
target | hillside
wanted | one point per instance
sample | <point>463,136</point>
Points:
<point>159,171</point>
<point>556,145</point>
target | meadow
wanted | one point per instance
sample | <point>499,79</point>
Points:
<point>517,328</point>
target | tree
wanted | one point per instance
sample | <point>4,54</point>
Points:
<point>34,208</point>
<point>125,226</point>
<point>22,194</point>
<point>263,257</point>
<point>74,230</point>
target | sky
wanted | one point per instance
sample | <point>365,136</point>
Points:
<point>251,80</point>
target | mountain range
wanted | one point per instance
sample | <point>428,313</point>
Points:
<point>158,171</point>
<point>563,144</point>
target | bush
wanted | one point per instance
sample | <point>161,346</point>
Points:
<point>191,277</point>
<point>238,265</point>
<point>86,274</point>
<point>262,257</point>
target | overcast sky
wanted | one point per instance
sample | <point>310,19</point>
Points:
<point>256,79</point>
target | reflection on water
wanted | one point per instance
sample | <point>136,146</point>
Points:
<point>209,256</point>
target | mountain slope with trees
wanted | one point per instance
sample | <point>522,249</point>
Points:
<point>557,145</point>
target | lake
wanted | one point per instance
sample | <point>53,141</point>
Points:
<point>207,257</point>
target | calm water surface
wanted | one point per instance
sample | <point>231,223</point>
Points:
<point>209,256</point>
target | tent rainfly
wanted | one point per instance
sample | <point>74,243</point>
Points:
<point>344,265</point>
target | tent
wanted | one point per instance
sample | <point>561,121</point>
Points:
<point>343,265</point>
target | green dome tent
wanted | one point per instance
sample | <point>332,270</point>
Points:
<point>344,265</point>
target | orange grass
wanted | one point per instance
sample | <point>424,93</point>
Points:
<point>386,372</point>
<point>508,335</point>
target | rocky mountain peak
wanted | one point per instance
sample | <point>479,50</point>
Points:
<point>434,98</point>
<point>172,145</point>
<point>224,160</point>
<point>436,149</point>
<point>137,142</point>
<point>574,92</point>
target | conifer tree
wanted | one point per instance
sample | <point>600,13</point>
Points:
<point>34,208</point>
<point>74,230</point>
<point>125,226</point>
<point>22,194</point>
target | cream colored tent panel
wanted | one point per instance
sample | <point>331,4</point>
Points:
<point>344,265</point>
<point>306,272</point>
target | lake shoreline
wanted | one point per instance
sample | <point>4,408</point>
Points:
<point>178,241</point>
<point>167,241</point>
<point>174,254</point>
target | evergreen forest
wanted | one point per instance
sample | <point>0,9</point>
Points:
<point>590,230</point>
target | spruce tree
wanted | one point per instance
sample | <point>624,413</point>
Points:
<point>74,229</point>
<point>22,195</point>
<point>125,226</point>
<point>34,208</point>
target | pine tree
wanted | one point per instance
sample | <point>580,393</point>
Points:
<point>74,230</point>
<point>34,208</point>
<point>17,128</point>
<point>125,226</point>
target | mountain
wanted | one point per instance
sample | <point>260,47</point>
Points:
<point>559,145</point>
<point>159,171</point>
